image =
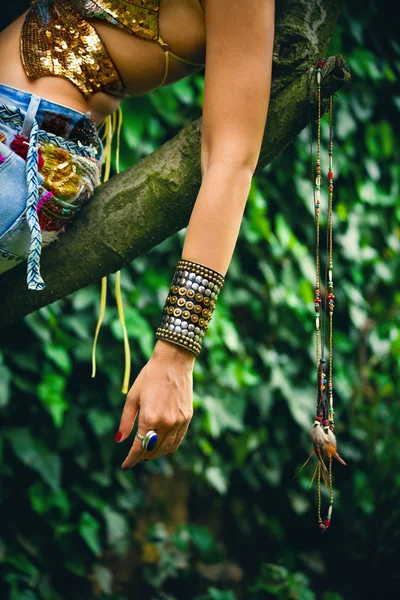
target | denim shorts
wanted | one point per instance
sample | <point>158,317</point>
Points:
<point>50,158</point>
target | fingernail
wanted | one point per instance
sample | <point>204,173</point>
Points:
<point>169,454</point>
<point>118,436</point>
<point>125,468</point>
<point>146,460</point>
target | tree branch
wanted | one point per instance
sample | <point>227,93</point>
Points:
<point>152,200</point>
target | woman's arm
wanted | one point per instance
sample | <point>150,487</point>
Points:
<point>239,41</point>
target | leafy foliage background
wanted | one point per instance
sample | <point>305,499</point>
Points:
<point>224,518</point>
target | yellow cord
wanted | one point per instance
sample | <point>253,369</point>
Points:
<point>126,340</point>
<point>109,130</point>
<point>118,294</point>
<point>99,322</point>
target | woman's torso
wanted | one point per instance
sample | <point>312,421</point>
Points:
<point>140,62</point>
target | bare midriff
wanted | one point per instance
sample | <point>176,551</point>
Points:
<point>140,62</point>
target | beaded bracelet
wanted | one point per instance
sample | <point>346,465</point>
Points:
<point>190,304</point>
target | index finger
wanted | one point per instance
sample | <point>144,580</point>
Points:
<point>135,453</point>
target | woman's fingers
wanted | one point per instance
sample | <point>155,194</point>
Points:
<point>178,438</point>
<point>164,444</point>
<point>135,454</point>
<point>147,422</point>
<point>167,439</point>
<point>130,411</point>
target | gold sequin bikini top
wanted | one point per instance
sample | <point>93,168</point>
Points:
<point>57,39</point>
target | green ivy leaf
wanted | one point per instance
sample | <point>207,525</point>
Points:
<point>88,528</point>
<point>34,454</point>
<point>51,391</point>
<point>60,357</point>
<point>116,526</point>
<point>5,380</point>
<point>217,478</point>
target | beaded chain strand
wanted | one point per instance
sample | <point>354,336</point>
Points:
<point>324,440</point>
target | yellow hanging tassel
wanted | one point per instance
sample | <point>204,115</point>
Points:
<point>110,124</point>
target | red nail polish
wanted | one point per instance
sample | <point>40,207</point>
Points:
<point>125,468</point>
<point>169,454</point>
<point>118,436</point>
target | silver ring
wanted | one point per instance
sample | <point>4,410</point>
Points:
<point>149,441</point>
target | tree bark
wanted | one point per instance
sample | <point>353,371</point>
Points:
<point>152,200</point>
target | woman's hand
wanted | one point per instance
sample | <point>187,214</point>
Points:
<point>162,395</point>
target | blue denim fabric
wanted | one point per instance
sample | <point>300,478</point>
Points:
<point>14,231</point>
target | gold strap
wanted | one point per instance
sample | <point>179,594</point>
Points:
<point>110,127</point>
<point>168,53</point>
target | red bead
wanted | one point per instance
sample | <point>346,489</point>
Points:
<point>320,63</point>
<point>317,300</point>
<point>327,522</point>
<point>330,175</point>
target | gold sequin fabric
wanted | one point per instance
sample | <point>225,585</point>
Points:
<point>140,17</point>
<point>58,39</point>
<point>61,42</point>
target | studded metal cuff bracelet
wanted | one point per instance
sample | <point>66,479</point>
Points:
<point>189,305</point>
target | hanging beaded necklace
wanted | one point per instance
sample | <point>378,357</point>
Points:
<point>322,436</point>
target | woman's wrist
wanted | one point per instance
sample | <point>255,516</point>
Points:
<point>172,351</point>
